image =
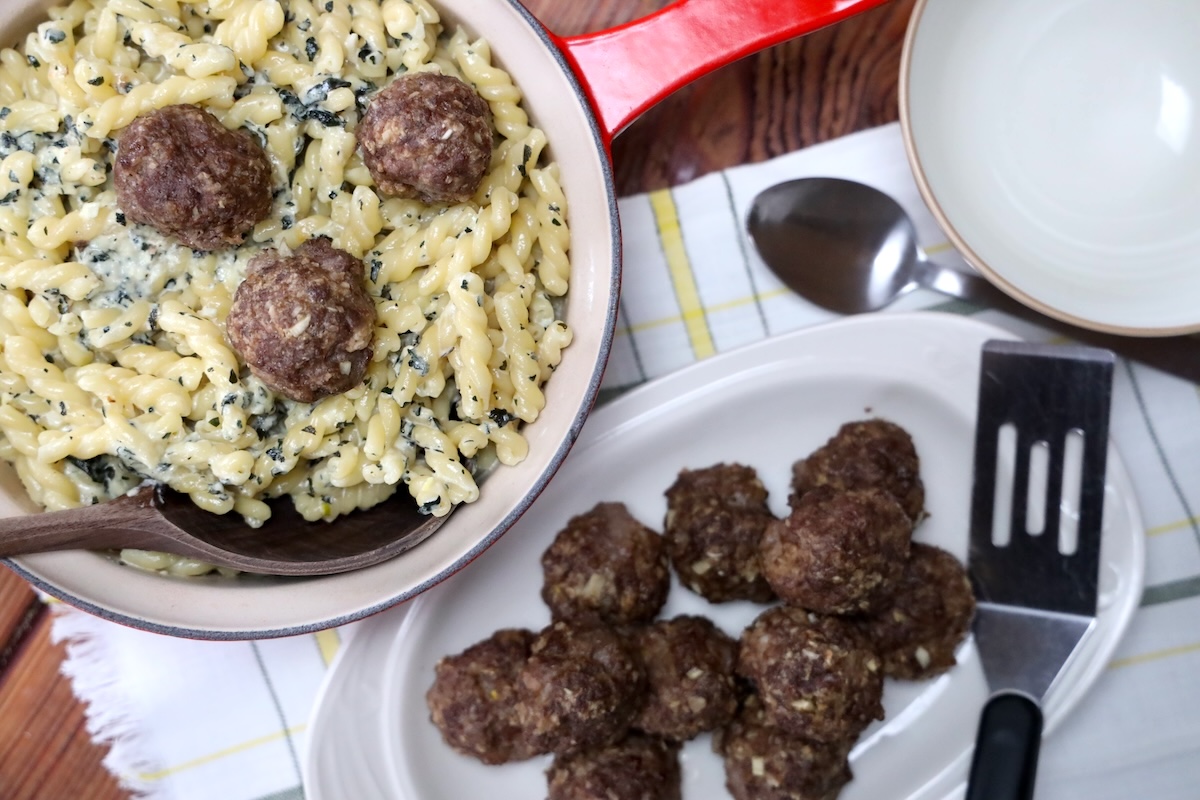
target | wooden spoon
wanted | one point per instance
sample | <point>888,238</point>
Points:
<point>153,517</point>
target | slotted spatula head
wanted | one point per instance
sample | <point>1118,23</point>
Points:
<point>1041,443</point>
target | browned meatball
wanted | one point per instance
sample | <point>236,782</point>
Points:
<point>304,323</point>
<point>605,567</point>
<point>428,136</point>
<point>637,768</point>
<point>182,172</point>
<point>763,762</point>
<point>473,700</point>
<point>580,688</point>
<point>818,677</point>
<point>838,552</point>
<point>715,517</point>
<point>872,453</point>
<point>690,680</point>
<point>930,613</point>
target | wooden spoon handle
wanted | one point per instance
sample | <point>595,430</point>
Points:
<point>127,521</point>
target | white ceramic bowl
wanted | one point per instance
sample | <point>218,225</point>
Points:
<point>1058,144</point>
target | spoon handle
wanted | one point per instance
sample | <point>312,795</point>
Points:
<point>123,522</point>
<point>1177,355</point>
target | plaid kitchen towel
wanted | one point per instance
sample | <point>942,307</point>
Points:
<point>193,720</point>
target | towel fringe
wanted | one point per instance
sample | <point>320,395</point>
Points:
<point>91,666</point>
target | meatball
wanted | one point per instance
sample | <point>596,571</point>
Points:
<point>636,768</point>
<point>715,517</point>
<point>838,552</point>
<point>872,453</point>
<point>763,762</point>
<point>818,677</point>
<point>473,700</point>
<point>605,567</point>
<point>930,613</point>
<point>427,136</point>
<point>304,323</point>
<point>580,688</point>
<point>183,173</point>
<point>690,681</point>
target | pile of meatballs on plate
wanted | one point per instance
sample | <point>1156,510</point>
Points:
<point>612,691</point>
<point>303,322</point>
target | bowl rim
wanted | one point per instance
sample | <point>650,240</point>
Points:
<point>959,241</point>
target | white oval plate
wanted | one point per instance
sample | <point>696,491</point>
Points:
<point>1055,142</point>
<point>765,405</point>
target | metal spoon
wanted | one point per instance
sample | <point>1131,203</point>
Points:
<point>155,518</point>
<point>850,248</point>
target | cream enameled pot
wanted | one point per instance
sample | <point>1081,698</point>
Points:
<point>581,91</point>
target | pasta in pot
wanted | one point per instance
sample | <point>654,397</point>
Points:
<point>115,365</point>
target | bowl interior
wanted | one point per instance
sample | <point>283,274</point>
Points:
<point>214,607</point>
<point>1056,141</point>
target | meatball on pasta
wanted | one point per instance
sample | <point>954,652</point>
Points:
<point>183,173</point>
<point>303,322</point>
<point>428,136</point>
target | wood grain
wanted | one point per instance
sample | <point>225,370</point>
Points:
<point>19,610</point>
<point>822,86</point>
<point>826,85</point>
<point>45,751</point>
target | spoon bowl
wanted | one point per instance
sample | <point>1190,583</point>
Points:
<point>843,245</point>
<point>851,248</point>
<point>153,517</point>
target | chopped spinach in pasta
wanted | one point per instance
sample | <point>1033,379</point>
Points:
<point>115,366</point>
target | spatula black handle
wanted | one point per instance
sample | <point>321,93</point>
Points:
<point>1006,749</point>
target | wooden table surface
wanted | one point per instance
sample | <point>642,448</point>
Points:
<point>822,86</point>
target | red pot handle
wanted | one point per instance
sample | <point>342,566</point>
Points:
<point>627,69</point>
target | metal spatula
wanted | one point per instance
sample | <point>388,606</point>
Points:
<point>1041,443</point>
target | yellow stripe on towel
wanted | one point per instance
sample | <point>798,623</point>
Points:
<point>671,235</point>
<point>740,302</point>
<point>328,643</point>
<point>241,747</point>
<point>1158,655</point>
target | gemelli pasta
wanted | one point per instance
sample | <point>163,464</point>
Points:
<point>115,366</point>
